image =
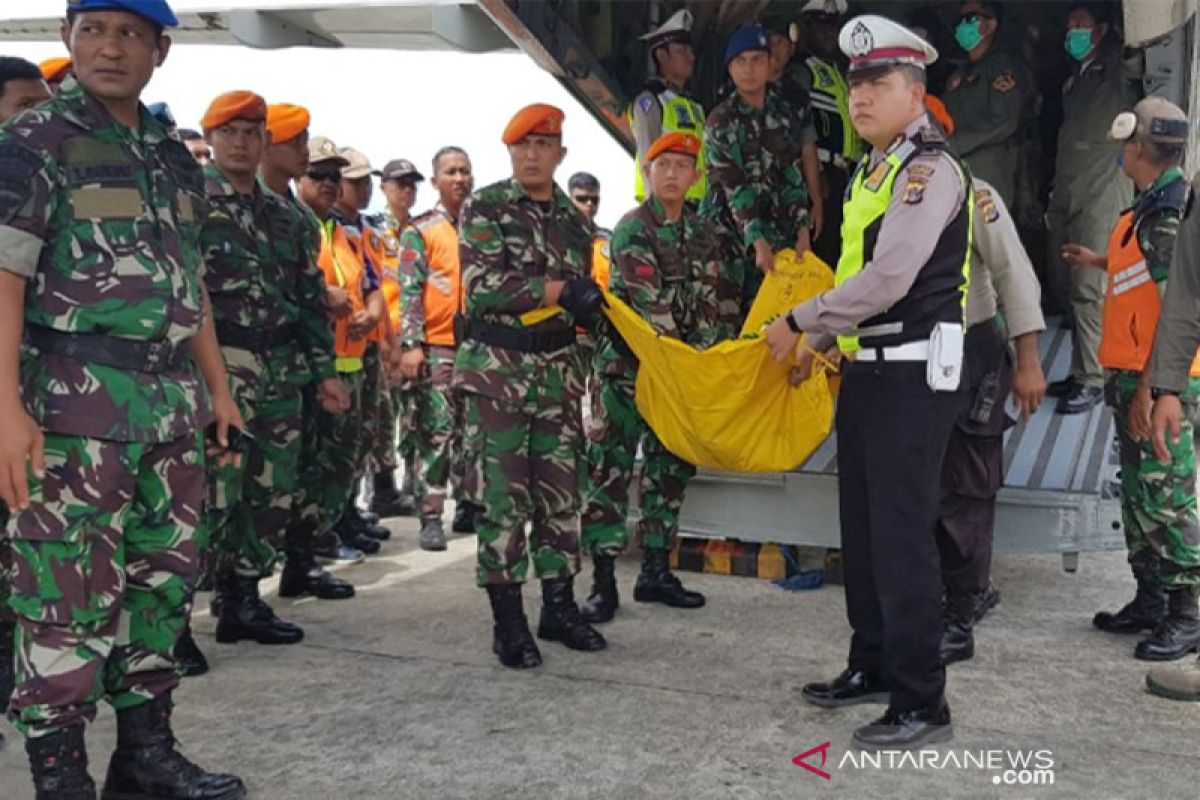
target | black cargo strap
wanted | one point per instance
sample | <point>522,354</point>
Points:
<point>135,355</point>
<point>256,340</point>
<point>508,338</point>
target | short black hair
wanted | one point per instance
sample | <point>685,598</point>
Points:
<point>583,180</point>
<point>914,74</point>
<point>72,13</point>
<point>994,8</point>
<point>1100,10</point>
<point>189,135</point>
<point>17,69</point>
<point>448,150</point>
<point>1162,154</point>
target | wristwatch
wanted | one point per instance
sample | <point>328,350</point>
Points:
<point>791,323</point>
<point>1157,391</point>
<point>409,344</point>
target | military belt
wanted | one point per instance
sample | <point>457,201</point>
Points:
<point>134,355</point>
<point>256,340</point>
<point>508,338</point>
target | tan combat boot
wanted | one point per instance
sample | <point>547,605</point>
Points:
<point>1175,684</point>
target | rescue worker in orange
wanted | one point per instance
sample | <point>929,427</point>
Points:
<point>55,71</point>
<point>1158,498</point>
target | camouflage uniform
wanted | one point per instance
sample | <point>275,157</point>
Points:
<point>755,191</point>
<point>523,427</point>
<point>435,411</point>
<point>105,226</point>
<point>1158,501</point>
<point>263,282</point>
<point>664,270</point>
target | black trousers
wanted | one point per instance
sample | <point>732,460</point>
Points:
<point>974,467</point>
<point>828,246</point>
<point>892,432</point>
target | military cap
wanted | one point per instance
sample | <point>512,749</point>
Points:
<point>399,168</point>
<point>676,142</point>
<point>286,121</point>
<point>1156,118</point>
<point>937,108</point>
<point>234,105</point>
<point>322,150</point>
<point>677,28</point>
<point>157,11</point>
<point>748,39</point>
<point>55,69</point>
<point>538,119</point>
<point>357,163</point>
<point>877,44</point>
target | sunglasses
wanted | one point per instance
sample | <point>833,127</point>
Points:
<point>590,199</point>
<point>322,175</point>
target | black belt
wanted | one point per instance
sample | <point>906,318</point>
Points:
<point>256,340</point>
<point>512,339</point>
<point>135,355</point>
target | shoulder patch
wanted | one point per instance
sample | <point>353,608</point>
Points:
<point>914,191</point>
<point>646,103</point>
<point>986,204</point>
<point>18,165</point>
<point>1005,82</point>
<point>955,81</point>
<point>877,176</point>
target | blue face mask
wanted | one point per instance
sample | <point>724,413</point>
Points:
<point>967,34</point>
<point>1079,43</point>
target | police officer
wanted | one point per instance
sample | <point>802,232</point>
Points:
<point>664,270</point>
<point>822,73</point>
<point>524,246</point>
<point>1001,275</point>
<point>101,267</point>
<point>662,106</point>
<point>898,305</point>
<point>1158,497</point>
<point>1175,348</point>
<point>1089,190</point>
<point>988,98</point>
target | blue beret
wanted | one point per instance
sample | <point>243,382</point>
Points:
<point>157,11</point>
<point>751,37</point>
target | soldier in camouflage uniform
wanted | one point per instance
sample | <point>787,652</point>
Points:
<point>21,87</point>
<point>99,227</point>
<point>432,281</point>
<point>757,198</point>
<point>1158,499</point>
<point>525,246</point>
<point>664,269</point>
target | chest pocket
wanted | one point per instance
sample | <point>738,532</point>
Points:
<point>233,256</point>
<point>108,212</point>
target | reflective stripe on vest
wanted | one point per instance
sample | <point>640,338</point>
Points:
<point>1132,304</point>
<point>679,114</point>
<point>867,200</point>
<point>830,95</point>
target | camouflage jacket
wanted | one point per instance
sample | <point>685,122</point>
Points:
<point>756,189</point>
<point>1156,217</point>
<point>104,222</point>
<point>510,246</point>
<point>666,272</point>
<point>260,274</point>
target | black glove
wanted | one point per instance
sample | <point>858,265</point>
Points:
<point>582,298</point>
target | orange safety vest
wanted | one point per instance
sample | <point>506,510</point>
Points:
<point>343,267</point>
<point>387,260</point>
<point>1132,303</point>
<point>443,288</point>
<point>601,261</point>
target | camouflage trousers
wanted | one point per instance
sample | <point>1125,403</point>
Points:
<point>377,445</point>
<point>330,460</point>
<point>434,423</point>
<point>5,567</point>
<point>737,283</point>
<point>523,465</point>
<point>251,505</point>
<point>1158,501</point>
<point>104,562</point>
<point>617,430</point>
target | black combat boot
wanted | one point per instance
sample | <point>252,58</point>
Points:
<point>657,584</point>
<point>561,620</point>
<point>146,765</point>
<point>433,535</point>
<point>1144,612</point>
<point>351,528</point>
<point>408,488</point>
<point>464,517</point>
<point>302,575</point>
<point>59,766</point>
<point>511,639</point>
<point>958,623</point>
<point>1179,633</point>
<point>386,501</point>
<point>189,655</point>
<point>603,602</point>
<point>244,615</point>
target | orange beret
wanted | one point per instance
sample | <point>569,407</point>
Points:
<point>55,69</point>
<point>234,105</point>
<point>286,121</point>
<point>539,119</point>
<point>940,113</point>
<point>678,142</point>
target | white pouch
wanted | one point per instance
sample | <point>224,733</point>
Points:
<point>943,370</point>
